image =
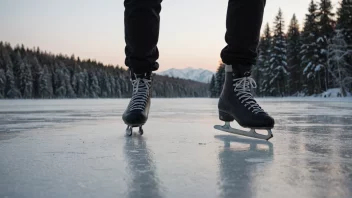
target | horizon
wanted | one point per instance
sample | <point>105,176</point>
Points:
<point>96,32</point>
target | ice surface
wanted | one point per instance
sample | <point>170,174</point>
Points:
<point>77,148</point>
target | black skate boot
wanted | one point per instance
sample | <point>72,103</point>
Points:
<point>237,103</point>
<point>136,114</point>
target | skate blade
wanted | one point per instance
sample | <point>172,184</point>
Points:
<point>252,133</point>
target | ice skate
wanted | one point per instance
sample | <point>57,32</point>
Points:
<point>136,113</point>
<point>236,103</point>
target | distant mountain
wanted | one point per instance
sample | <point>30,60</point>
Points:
<point>200,75</point>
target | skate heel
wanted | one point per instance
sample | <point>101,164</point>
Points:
<point>225,117</point>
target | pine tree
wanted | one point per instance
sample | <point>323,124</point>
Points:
<point>264,61</point>
<point>26,80</point>
<point>256,76</point>
<point>105,85</point>
<point>79,85</point>
<point>17,60</point>
<point>94,89</point>
<point>118,87</point>
<point>294,63</point>
<point>309,53</point>
<point>326,28</point>
<point>344,21</point>
<point>2,83</point>
<point>113,86</point>
<point>85,79</point>
<point>325,19</point>
<point>37,71</point>
<point>70,93</point>
<point>59,81</point>
<point>11,90</point>
<point>212,89</point>
<point>76,80</point>
<point>278,62</point>
<point>45,86</point>
<point>337,64</point>
<point>2,65</point>
<point>220,79</point>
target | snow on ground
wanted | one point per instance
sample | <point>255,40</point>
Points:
<point>330,93</point>
<point>336,92</point>
<point>77,148</point>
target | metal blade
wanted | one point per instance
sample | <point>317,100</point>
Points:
<point>252,133</point>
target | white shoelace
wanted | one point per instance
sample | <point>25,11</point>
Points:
<point>243,87</point>
<point>140,93</point>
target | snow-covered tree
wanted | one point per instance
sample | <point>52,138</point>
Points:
<point>105,85</point>
<point>94,89</point>
<point>309,51</point>
<point>212,89</point>
<point>11,90</point>
<point>113,86</point>
<point>220,79</point>
<point>118,87</point>
<point>70,93</point>
<point>294,62</point>
<point>79,85</point>
<point>45,88</point>
<point>26,79</point>
<point>264,61</point>
<point>325,16</point>
<point>85,79</point>
<point>278,59</point>
<point>74,81</point>
<point>338,51</point>
<point>77,81</point>
<point>59,80</point>
<point>344,21</point>
<point>326,28</point>
<point>37,71</point>
<point>2,83</point>
<point>16,60</point>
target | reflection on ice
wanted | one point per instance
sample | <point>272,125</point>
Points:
<point>241,160</point>
<point>143,180</point>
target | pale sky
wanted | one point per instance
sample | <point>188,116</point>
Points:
<point>191,35</point>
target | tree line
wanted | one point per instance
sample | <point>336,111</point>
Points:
<point>303,62</point>
<point>31,73</point>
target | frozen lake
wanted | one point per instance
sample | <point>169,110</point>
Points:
<point>78,148</point>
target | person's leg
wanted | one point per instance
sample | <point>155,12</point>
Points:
<point>142,22</point>
<point>244,19</point>
<point>243,24</point>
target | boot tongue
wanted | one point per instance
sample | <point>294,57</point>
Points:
<point>240,71</point>
<point>247,74</point>
<point>141,75</point>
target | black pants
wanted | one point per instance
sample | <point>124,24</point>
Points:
<point>142,23</point>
